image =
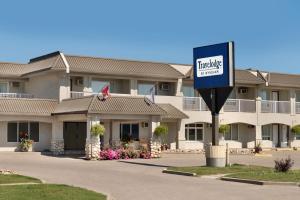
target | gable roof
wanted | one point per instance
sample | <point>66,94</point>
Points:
<point>113,105</point>
<point>108,66</point>
<point>284,80</point>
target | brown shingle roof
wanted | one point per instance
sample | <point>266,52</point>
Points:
<point>18,106</point>
<point>172,112</point>
<point>11,69</point>
<point>121,67</point>
<point>246,77</point>
<point>113,105</point>
<point>284,80</point>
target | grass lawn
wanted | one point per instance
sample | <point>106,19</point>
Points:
<point>291,176</point>
<point>47,192</point>
<point>244,172</point>
<point>13,178</point>
<point>236,168</point>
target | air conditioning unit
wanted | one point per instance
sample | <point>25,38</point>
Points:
<point>15,84</point>
<point>243,90</point>
<point>164,86</point>
<point>79,81</point>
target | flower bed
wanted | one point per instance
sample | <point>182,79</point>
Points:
<point>116,154</point>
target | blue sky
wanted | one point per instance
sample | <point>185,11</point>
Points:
<point>266,33</point>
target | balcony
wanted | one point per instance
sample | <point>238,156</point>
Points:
<point>240,105</point>
<point>275,106</point>
<point>194,104</point>
<point>16,95</point>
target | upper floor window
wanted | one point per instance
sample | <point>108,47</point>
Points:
<point>145,87</point>
<point>194,131</point>
<point>188,91</point>
<point>3,87</point>
<point>97,85</point>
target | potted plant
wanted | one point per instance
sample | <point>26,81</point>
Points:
<point>296,130</point>
<point>97,130</point>
<point>257,148</point>
<point>161,132</point>
<point>25,144</point>
<point>224,129</point>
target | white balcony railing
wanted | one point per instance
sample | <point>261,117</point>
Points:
<point>275,106</point>
<point>297,107</point>
<point>194,104</point>
<point>16,95</point>
<point>240,105</point>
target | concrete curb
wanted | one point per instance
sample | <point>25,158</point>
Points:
<point>178,172</point>
<point>256,182</point>
<point>28,183</point>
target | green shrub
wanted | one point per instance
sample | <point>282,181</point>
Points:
<point>224,128</point>
<point>161,130</point>
<point>296,129</point>
<point>97,130</point>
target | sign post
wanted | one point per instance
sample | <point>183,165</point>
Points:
<point>214,79</point>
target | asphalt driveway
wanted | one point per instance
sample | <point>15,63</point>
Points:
<point>142,179</point>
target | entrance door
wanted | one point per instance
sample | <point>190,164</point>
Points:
<point>275,135</point>
<point>74,135</point>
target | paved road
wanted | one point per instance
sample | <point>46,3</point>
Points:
<point>142,179</point>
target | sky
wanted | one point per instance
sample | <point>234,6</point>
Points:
<point>266,33</point>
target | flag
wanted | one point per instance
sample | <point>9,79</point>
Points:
<point>104,93</point>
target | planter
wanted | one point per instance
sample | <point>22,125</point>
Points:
<point>215,156</point>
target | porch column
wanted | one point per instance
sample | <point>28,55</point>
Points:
<point>258,134</point>
<point>258,105</point>
<point>178,133</point>
<point>57,140</point>
<point>92,145</point>
<point>155,145</point>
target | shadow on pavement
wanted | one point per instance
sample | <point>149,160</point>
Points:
<point>145,164</point>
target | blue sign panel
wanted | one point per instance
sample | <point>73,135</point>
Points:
<point>214,66</point>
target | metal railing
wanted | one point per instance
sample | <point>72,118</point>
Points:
<point>275,106</point>
<point>240,105</point>
<point>16,95</point>
<point>297,107</point>
<point>75,95</point>
<point>194,104</point>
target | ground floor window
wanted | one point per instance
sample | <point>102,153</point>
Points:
<point>266,132</point>
<point>297,137</point>
<point>129,132</point>
<point>194,131</point>
<point>233,133</point>
<point>18,130</point>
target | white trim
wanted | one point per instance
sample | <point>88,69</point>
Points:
<point>231,63</point>
<point>65,62</point>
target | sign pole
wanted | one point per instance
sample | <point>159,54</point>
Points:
<point>215,119</point>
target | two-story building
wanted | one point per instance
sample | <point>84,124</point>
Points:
<point>53,98</point>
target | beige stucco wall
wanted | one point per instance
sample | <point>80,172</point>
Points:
<point>45,131</point>
<point>44,86</point>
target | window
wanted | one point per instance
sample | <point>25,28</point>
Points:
<point>12,135</point>
<point>129,132</point>
<point>188,91</point>
<point>266,132</point>
<point>233,133</point>
<point>144,88</point>
<point>3,87</point>
<point>18,130</point>
<point>97,85</point>
<point>194,132</point>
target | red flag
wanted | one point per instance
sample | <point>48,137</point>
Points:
<point>105,93</point>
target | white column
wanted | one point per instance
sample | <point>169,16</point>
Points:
<point>87,85</point>
<point>293,101</point>
<point>178,88</point>
<point>133,87</point>
<point>258,134</point>
<point>258,105</point>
